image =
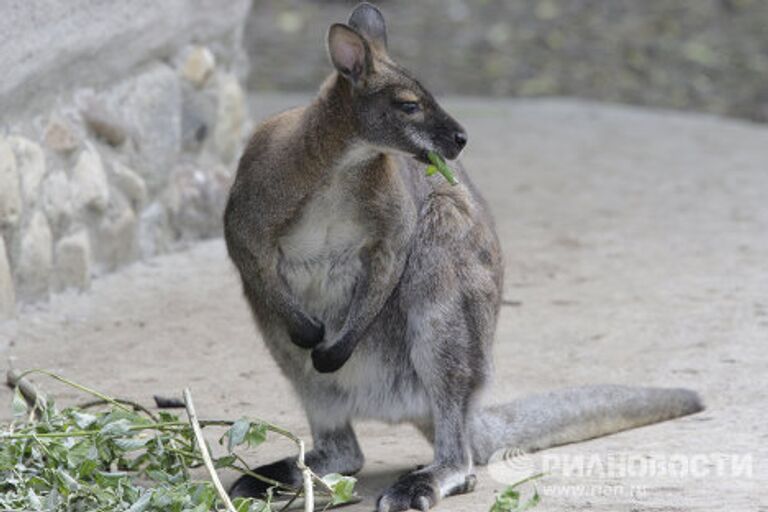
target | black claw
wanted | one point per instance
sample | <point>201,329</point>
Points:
<point>308,333</point>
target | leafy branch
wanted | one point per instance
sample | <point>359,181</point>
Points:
<point>127,458</point>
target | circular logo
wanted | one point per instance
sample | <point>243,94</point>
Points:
<point>510,465</point>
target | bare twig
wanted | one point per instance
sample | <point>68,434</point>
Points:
<point>306,475</point>
<point>16,379</point>
<point>290,501</point>
<point>136,406</point>
<point>19,377</point>
<point>204,451</point>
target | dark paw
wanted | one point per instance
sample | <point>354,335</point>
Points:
<point>328,360</point>
<point>249,487</point>
<point>417,491</point>
<point>308,333</point>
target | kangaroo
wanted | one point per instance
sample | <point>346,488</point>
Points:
<point>377,288</point>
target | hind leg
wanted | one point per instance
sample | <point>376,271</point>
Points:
<point>449,366</point>
<point>450,297</point>
<point>335,450</point>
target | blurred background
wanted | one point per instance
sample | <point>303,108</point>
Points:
<point>704,55</point>
<point>121,122</point>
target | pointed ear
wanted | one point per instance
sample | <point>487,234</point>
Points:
<point>368,20</point>
<point>349,52</point>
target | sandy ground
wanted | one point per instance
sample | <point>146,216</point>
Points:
<point>636,245</point>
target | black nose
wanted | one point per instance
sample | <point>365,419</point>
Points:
<point>460,138</point>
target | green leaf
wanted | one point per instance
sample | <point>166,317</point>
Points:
<point>256,435</point>
<point>509,499</point>
<point>80,472</point>
<point>431,169</point>
<point>236,433</point>
<point>67,481</point>
<point>159,475</point>
<point>205,495</point>
<point>441,166</point>
<point>109,480</point>
<point>83,420</point>
<point>87,468</point>
<point>34,501</point>
<point>242,504</point>
<point>116,428</point>
<point>343,487</point>
<point>53,500</point>
<point>19,404</point>
<point>131,444</point>
<point>224,462</point>
<point>142,503</point>
<point>535,500</point>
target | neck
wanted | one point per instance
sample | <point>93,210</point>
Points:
<point>332,135</point>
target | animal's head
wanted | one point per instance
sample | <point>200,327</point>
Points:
<point>391,108</point>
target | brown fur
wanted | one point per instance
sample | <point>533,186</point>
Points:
<point>377,288</point>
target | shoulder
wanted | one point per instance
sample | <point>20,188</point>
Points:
<point>270,138</point>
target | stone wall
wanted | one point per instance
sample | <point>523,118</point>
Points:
<point>704,55</point>
<point>120,124</point>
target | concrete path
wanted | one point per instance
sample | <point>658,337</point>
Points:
<point>636,245</point>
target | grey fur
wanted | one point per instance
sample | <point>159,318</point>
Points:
<point>377,289</point>
<point>574,414</point>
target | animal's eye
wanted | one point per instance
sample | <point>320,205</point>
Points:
<point>409,107</point>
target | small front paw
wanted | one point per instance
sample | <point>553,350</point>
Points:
<point>417,491</point>
<point>328,359</point>
<point>307,333</point>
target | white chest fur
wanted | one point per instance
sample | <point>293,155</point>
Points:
<point>321,251</point>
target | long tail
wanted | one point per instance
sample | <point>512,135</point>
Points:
<point>574,414</point>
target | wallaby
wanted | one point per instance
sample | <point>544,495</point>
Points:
<point>377,288</point>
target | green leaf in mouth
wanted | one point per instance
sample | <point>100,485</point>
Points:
<point>439,165</point>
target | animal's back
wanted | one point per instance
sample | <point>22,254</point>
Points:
<point>266,158</point>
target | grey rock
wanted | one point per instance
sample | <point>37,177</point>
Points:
<point>7,292</point>
<point>152,105</point>
<point>198,65</point>
<point>60,136</point>
<point>73,262</point>
<point>36,259</point>
<point>104,119</point>
<point>656,53</point>
<point>117,238</point>
<point>230,117</point>
<point>30,162</point>
<point>198,199</point>
<point>156,236</point>
<point>57,200</point>
<point>10,188</point>
<point>198,116</point>
<point>60,45</point>
<point>130,184</point>
<point>89,182</point>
